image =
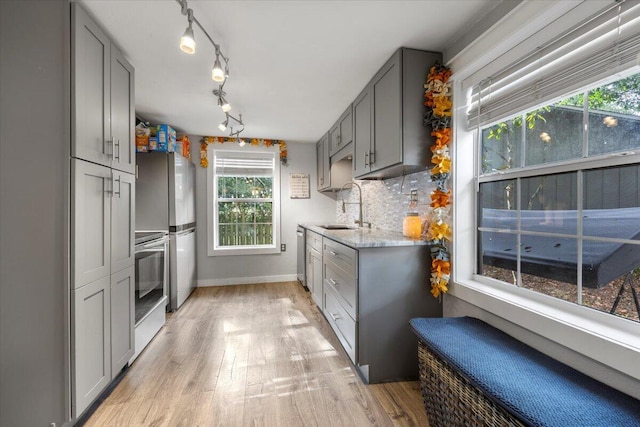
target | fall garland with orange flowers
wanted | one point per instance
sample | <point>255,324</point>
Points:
<point>206,140</point>
<point>438,232</point>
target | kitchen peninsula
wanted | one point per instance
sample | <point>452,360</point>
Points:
<point>373,283</point>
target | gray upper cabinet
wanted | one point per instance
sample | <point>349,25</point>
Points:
<point>123,117</point>
<point>323,163</point>
<point>341,133</point>
<point>363,132</point>
<point>389,136</point>
<point>103,116</point>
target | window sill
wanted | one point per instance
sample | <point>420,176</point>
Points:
<point>243,251</point>
<point>609,340</point>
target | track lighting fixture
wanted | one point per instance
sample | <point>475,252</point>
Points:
<point>188,41</point>
<point>217,73</point>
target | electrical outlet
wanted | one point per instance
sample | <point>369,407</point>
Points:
<point>283,247</point>
<point>414,195</point>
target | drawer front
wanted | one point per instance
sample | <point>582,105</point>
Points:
<point>342,256</point>
<point>343,325</point>
<point>315,240</point>
<point>343,285</point>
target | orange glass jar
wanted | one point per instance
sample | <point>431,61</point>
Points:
<point>412,225</point>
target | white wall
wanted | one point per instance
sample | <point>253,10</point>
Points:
<point>226,270</point>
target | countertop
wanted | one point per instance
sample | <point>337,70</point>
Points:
<point>364,237</point>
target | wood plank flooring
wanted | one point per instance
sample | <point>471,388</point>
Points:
<point>252,355</point>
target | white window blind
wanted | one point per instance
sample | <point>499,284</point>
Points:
<point>602,47</point>
<point>234,163</point>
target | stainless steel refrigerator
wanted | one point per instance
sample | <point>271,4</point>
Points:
<point>165,200</point>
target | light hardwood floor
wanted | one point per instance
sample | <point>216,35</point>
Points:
<point>252,355</point>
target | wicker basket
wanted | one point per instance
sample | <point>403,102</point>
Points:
<point>451,400</point>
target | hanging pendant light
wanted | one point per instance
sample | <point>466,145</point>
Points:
<point>217,73</point>
<point>188,41</point>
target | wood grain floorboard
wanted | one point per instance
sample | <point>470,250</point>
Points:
<point>252,355</point>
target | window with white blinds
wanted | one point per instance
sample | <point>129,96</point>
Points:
<point>244,188</point>
<point>558,167</point>
<point>604,47</point>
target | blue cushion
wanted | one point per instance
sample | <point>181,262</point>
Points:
<point>536,389</point>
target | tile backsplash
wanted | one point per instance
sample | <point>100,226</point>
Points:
<point>385,203</point>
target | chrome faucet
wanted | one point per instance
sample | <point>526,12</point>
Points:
<point>358,221</point>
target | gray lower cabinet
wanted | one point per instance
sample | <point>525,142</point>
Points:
<point>90,342</point>
<point>389,136</point>
<point>314,266</point>
<point>103,227</point>
<point>370,294</point>
<point>122,318</point>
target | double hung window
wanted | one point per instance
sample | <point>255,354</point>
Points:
<point>559,198</point>
<point>558,167</point>
<point>244,207</point>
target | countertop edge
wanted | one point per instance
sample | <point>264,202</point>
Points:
<point>359,238</point>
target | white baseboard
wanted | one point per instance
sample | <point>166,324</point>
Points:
<point>247,280</point>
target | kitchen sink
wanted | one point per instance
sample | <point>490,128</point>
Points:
<point>337,227</point>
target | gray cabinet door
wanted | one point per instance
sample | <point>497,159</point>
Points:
<point>346,127</point>
<point>122,113</point>
<point>123,220</point>
<point>387,115</point>
<point>326,162</point>
<point>90,343</point>
<point>323,163</point>
<point>122,319</point>
<point>91,222</point>
<point>319,165</point>
<point>334,138</point>
<point>90,50</point>
<point>362,132</point>
<point>316,268</point>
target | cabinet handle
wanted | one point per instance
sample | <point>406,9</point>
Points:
<point>366,159</point>
<point>109,153</point>
<point>335,254</point>
<point>372,158</point>
<point>335,317</point>
<point>333,282</point>
<point>117,193</point>
<point>116,143</point>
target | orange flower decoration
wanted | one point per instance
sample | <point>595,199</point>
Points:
<point>439,287</point>
<point>443,138</point>
<point>440,199</point>
<point>440,267</point>
<point>439,231</point>
<point>443,165</point>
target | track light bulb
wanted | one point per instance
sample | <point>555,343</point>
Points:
<point>217,73</point>
<point>188,41</point>
<point>241,143</point>
<point>222,126</point>
<point>226,107</point>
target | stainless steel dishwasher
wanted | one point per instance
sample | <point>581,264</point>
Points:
<point>301,256</point>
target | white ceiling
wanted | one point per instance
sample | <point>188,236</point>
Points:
<point>294,65</point>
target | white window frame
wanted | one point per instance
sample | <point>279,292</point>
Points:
<point>212,223</point>
<point>612,341</point>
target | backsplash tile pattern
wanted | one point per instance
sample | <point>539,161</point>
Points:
<point>385,203</point>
